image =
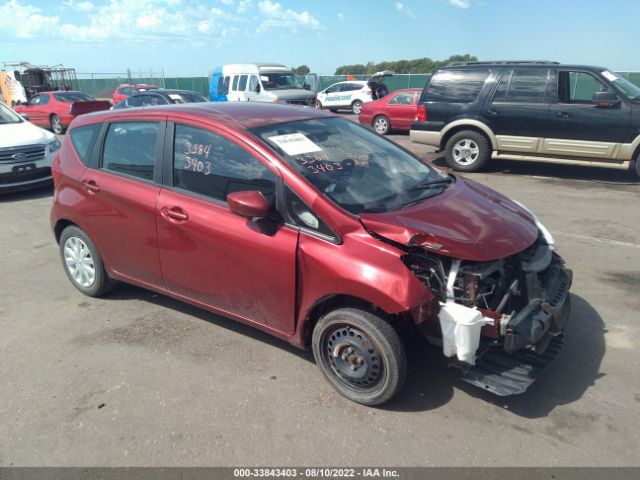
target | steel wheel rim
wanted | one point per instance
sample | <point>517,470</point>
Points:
<point>381,125</point>
<point>465,152</point>
<point>79,262</point>
<point>353,357</point>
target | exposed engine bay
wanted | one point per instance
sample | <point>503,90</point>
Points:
<point>522,298</point>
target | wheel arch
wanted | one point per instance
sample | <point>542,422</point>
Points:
<point>60,225</point>
<point>466,124</point>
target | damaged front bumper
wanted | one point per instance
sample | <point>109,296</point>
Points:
<point>525,301</point>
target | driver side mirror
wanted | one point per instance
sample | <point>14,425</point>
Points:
<point>605,99</point>
<point>251,204</point>
<point>258,88</point>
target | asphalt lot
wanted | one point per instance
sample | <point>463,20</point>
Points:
<point>137,378</point>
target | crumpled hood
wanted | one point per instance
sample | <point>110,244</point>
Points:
<point>25,133</point>
<point>468,221</point>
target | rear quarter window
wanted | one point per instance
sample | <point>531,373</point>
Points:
<point>455,86</point>
<point>83,139</point>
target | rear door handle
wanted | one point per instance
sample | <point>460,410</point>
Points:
<point>91,186</point>
<point>493,111</point>
<point>174,214</point>
<point>563,114</point>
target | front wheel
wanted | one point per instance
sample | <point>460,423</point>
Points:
<point>356,107</point>
<point>381,125</point>
<point>56,124</point>
<point>467,151</point>
<point>318,105</point>
<point>360,355</point>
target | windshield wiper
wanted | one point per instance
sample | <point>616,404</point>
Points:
<point>431,184</point>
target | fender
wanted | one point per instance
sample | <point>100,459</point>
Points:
<point>468,122</point>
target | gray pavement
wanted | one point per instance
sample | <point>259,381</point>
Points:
<point>136,378</point>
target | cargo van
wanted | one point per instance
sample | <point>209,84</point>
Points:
<point>258,82</point>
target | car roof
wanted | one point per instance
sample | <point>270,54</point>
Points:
<point>519,63</point>
<point>61,91</point>
<point>165,90</point>
<point>238,115</point>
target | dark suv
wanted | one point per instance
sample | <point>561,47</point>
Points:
<point>530,110</point>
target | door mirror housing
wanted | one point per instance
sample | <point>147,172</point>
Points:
<point>605,99</point>
<point>258,88</point>
<point>250,204</point>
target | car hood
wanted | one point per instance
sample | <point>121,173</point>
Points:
<point>25,133</point>
<point>468,221</point>
<point>292,94</point>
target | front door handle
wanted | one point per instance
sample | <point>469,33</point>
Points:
<point>493,111</point>
<point>91,186</point>
<point>563,115</point>
<point>174,214</point>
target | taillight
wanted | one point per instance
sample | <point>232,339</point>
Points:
<point>421,113</point>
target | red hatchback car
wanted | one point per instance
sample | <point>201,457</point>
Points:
<point>395,111</point>
<point>316,230</point>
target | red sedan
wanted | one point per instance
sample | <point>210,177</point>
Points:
<point>55,110</point>
<point>395,111</point>
<point>124,91</point>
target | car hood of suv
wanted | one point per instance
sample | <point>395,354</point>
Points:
<point>23,133</point>
<point>467,221</point>
<point>292,94</point>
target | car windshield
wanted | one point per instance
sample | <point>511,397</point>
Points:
<point>629,89</point>
<point>185,97</point>
<point>356,168</point>
<point>8,116</point>
<point>279,81</point>
<point>68,97</point>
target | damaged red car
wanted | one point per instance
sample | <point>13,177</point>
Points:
<point>316,230</point>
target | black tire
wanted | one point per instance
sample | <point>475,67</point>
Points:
<point>71,237</point>
<point>634,166</point>
<point>381,125</point>
<point>56,124</point>
<point>360,355</point>
<point>356,107</point>
<point>318,105</point>
<point>467,151</point>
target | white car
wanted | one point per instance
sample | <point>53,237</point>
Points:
<point>26,152</point>
<point>344,95</point>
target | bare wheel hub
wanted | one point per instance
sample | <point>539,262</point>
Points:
<point>353,357</point>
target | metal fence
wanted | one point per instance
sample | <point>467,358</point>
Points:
<point>101,85</point>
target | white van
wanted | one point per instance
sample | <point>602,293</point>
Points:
<point>258,82</point>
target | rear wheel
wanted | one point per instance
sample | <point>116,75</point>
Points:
<point>360,355</point>
<point>56,124</point>
<point>82,262</point>
<point>318,105</point>
<point>381,125</point>
<point>467,151</point>
<point>635,166</point>
<point>356,107</point>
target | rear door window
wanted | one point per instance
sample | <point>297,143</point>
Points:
<point>527,85</point>
<point>83,139</point>
<point>208,164</point>
<point>455,86</point>
<point>130,149</point>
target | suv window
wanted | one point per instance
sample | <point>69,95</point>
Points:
<point>578,87</point>
<point>242,86</point>
<point>130,148</point>
<point>83,139</point>
<point>333,88</point>
<point>455,86</point>
<point>209,164</point>
<point>526,85</point>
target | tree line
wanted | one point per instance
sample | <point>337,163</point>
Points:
<point>419,65</point>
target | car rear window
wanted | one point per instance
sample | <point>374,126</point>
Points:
<point>130,149</point>
<point>69,97</point>
<point>455,86</point>
<point>83,139</point>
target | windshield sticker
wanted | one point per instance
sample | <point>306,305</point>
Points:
<point>609,76</point>
<point>174,96</point>
<point>295,144</point>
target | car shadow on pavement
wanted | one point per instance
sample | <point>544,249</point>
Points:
<point>40,192</point>
<point>554,171</point>
<point>131,292</point>
<point>576,369</point>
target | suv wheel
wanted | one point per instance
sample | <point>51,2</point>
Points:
<point>82,263</point>
<point>360,355</point>
<point>356,107</point>
<point>635,166</point>
<point>318,105</point>
<point>467,151</point>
